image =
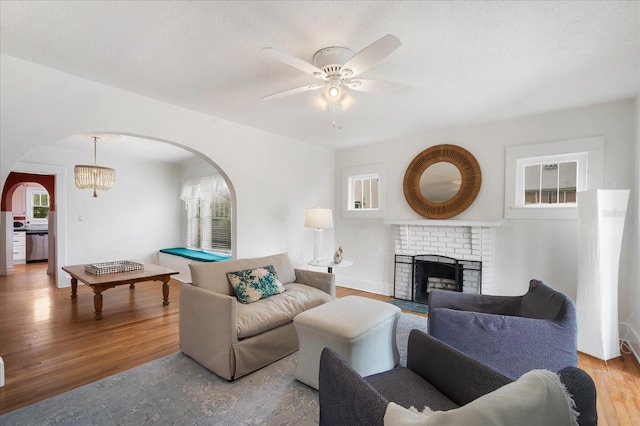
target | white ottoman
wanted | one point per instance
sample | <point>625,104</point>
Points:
<point>362,330</point>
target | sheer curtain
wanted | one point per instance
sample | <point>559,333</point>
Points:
<point>208,205</point>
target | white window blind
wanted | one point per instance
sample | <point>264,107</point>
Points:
<point>208,205</point>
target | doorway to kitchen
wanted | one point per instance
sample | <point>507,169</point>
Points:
<point>28,203</point>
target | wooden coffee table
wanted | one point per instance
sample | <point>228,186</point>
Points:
<point>102,282</point>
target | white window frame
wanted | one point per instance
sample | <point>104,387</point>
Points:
<point>375,171</point>
<point>31,190</point>
<point>587,152</point>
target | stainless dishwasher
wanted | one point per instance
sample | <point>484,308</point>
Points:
<point>37,246</point>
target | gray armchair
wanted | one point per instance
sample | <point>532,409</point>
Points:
<point>436,376</point>
<point>512,334</point>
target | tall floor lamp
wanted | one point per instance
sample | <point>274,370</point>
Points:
<point>601,216</point>
<point>318,219</point>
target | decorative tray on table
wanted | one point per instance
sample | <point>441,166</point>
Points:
<point>113,267</point>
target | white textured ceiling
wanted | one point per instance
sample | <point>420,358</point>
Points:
<point>119,146</point>
<point>468,62</point>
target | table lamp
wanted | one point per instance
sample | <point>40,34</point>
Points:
<point>318,219</point>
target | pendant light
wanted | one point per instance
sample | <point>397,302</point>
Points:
<point>94,177</point>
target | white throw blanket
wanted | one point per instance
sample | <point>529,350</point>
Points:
<point>538,398</point>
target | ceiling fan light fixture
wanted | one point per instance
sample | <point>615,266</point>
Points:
<point>333,94</point>
<point>347,101</point>
<point>321,102</point>
<point>333,91</point>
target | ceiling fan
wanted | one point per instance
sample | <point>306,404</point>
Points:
<point>338,68</point>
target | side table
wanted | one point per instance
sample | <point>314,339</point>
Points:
<point>329,264</point>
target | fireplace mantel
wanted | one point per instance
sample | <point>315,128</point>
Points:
<point>450,222</point>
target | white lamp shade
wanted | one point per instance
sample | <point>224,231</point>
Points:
<point>319,218</point>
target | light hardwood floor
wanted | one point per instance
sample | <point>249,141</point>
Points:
<point>50,343</point>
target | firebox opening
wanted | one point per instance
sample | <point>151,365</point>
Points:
<point>434,272</point>
<point>425,273</point>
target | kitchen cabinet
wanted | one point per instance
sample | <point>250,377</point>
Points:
<point>19,248</point>
<point>19,201</point>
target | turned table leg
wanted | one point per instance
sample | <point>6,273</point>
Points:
<point>165,291</point>
<point>97,303</point>
<point>74,288</point>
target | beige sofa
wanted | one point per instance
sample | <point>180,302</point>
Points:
<point>233,339</point>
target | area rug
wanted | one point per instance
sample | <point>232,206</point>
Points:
<point>407,305</point>
<point>175,390</point>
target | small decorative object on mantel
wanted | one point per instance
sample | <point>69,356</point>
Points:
<point>337,257</point>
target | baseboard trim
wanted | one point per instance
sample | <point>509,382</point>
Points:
<point>8,271</point>
<point>363,285</point>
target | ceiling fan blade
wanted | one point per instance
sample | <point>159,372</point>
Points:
<point>378,86</point>
<point>295,62</point>
<point>371,55</point>
<point>294,91</point>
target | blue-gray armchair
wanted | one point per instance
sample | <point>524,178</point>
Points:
<point>436,376</point>
<point>512,334</point>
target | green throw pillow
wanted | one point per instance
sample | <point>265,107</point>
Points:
<point>252,285</point>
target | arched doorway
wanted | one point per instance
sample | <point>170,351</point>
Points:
<point>72,206</point>
<point>14,184</point>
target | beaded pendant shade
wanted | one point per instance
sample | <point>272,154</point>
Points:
<point>94,177</point>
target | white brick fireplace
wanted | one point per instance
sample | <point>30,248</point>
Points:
<point>464,240</point>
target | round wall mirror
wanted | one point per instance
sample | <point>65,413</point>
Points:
<point>442,181</point>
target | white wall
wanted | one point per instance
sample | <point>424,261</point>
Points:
<point>630,312</point>
<point>274,178</point>
<point>525,249</point>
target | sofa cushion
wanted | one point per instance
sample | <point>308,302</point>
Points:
<point>274,311</point>
<point>213,276</point>
<point>251,285</point>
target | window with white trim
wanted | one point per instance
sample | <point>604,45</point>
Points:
<point>541,181</point>
<point>37,205</point>
<point>363,192</point>
<point>208,206</point>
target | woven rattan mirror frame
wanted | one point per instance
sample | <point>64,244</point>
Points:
<point>469,187</point>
